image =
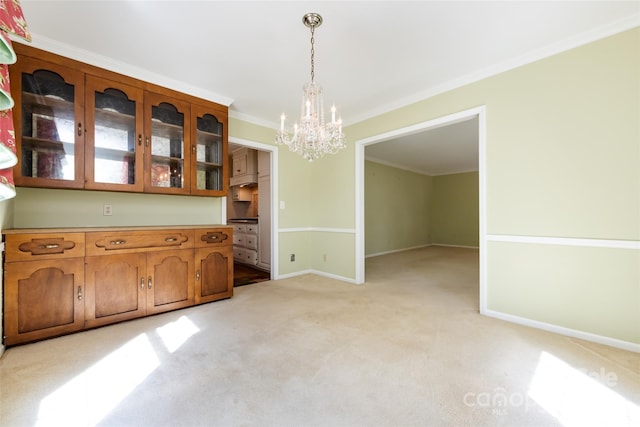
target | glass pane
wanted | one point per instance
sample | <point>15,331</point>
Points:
<point>167,146</point>
<point>48,149</point>
<point>114,138</point>
<point>209,153</point>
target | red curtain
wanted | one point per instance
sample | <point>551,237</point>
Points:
<point>12,22</point>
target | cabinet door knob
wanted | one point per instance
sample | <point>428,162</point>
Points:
<point>140,139</point>
<point>79,129</point>
<point>142,283</point>
<point>79,293</point>
<point>198,275</point>
<point>149,282</point>
<point>146,141</point>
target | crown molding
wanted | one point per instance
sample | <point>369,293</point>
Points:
<point>63,49</point>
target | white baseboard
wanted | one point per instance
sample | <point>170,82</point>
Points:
<point>455,246</point>
<point>397,250</point>
<point>587,336</point>
<point>317,273</point>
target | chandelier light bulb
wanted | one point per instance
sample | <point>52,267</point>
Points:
<point>312,138</point>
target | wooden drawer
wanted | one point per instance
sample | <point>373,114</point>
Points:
<point>100,243</point>
<point>208,237</point>
<point>252,228</point>
<point>37,246</point>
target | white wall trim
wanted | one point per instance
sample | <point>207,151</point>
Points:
<point>317,273</point>
<point>613,342</point>
<point>275,242</point>
<point>317,229</point>
<point>586,37</point>
<point>565,241</point>
<point>73,52</point>
<point>394,251</point>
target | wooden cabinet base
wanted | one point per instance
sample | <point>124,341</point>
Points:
<point>54,285</point>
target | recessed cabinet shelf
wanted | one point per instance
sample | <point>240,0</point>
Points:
<point>79,126</point>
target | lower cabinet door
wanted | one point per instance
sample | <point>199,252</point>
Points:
<point>43,299</point>
<point>214,273</point>
<point>170,280</point>
<point>115,288</point>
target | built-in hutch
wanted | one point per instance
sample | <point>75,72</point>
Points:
<point>79,126</point>
<point>82,127</point>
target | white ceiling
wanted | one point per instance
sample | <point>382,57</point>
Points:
<point>371,56</point>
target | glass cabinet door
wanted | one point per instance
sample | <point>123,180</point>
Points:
<point>208,153</point>
<point>50,134</point>
<point>114,136</point>
<point>166,153</point>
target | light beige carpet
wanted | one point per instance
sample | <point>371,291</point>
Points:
<point>408,348</point>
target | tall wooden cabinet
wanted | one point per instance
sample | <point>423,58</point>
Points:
<point>79,126</point>
<point>59,281</point>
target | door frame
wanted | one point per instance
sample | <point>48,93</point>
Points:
<point>450,119</point>
<point>273,158</point>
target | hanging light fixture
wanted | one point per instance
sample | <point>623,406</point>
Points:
<point>312,138</point>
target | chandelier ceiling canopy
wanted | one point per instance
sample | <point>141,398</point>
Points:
<point>312,137</point>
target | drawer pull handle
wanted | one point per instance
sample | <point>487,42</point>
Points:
<point>79,129</point>
<point>117,242</point>
<point>149,282</point>
<point>171,239</point>
<point>140,139</point>
<point>49,246</point>
<point>142,283</point>
<point>79,293</point>
<point>198,275</point>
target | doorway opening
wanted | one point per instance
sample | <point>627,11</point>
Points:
<point>452,119</point>
<point>251,208</point>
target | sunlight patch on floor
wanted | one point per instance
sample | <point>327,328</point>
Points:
<point>91,395</point>
<point>580,398</point>
<point>174,334</point>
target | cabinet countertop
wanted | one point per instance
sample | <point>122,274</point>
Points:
<point>118,228</point>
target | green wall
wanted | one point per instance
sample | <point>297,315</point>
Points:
<point>562,161</point>
<point>455,210</point>
<point>404,209</point>
<point>397,205</point>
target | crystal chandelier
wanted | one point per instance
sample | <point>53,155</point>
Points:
<point>312,138</point>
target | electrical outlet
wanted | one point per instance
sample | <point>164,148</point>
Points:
<point>293,257</point>
<point>107,210</point>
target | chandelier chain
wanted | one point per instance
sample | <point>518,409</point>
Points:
<point>312,53</point>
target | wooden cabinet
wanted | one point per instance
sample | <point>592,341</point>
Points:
<point>208,150</point>
<point>115,288</point>
<point>113,135</point>
<point>44,293</point>
<point>214,265</point>
<point>245,166</point>
<point>48,121</point>
<point>45,299</point>
<point>60,281</point>
<point>166,158</point>
<point>170,280</point>
<point>79,126</point>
